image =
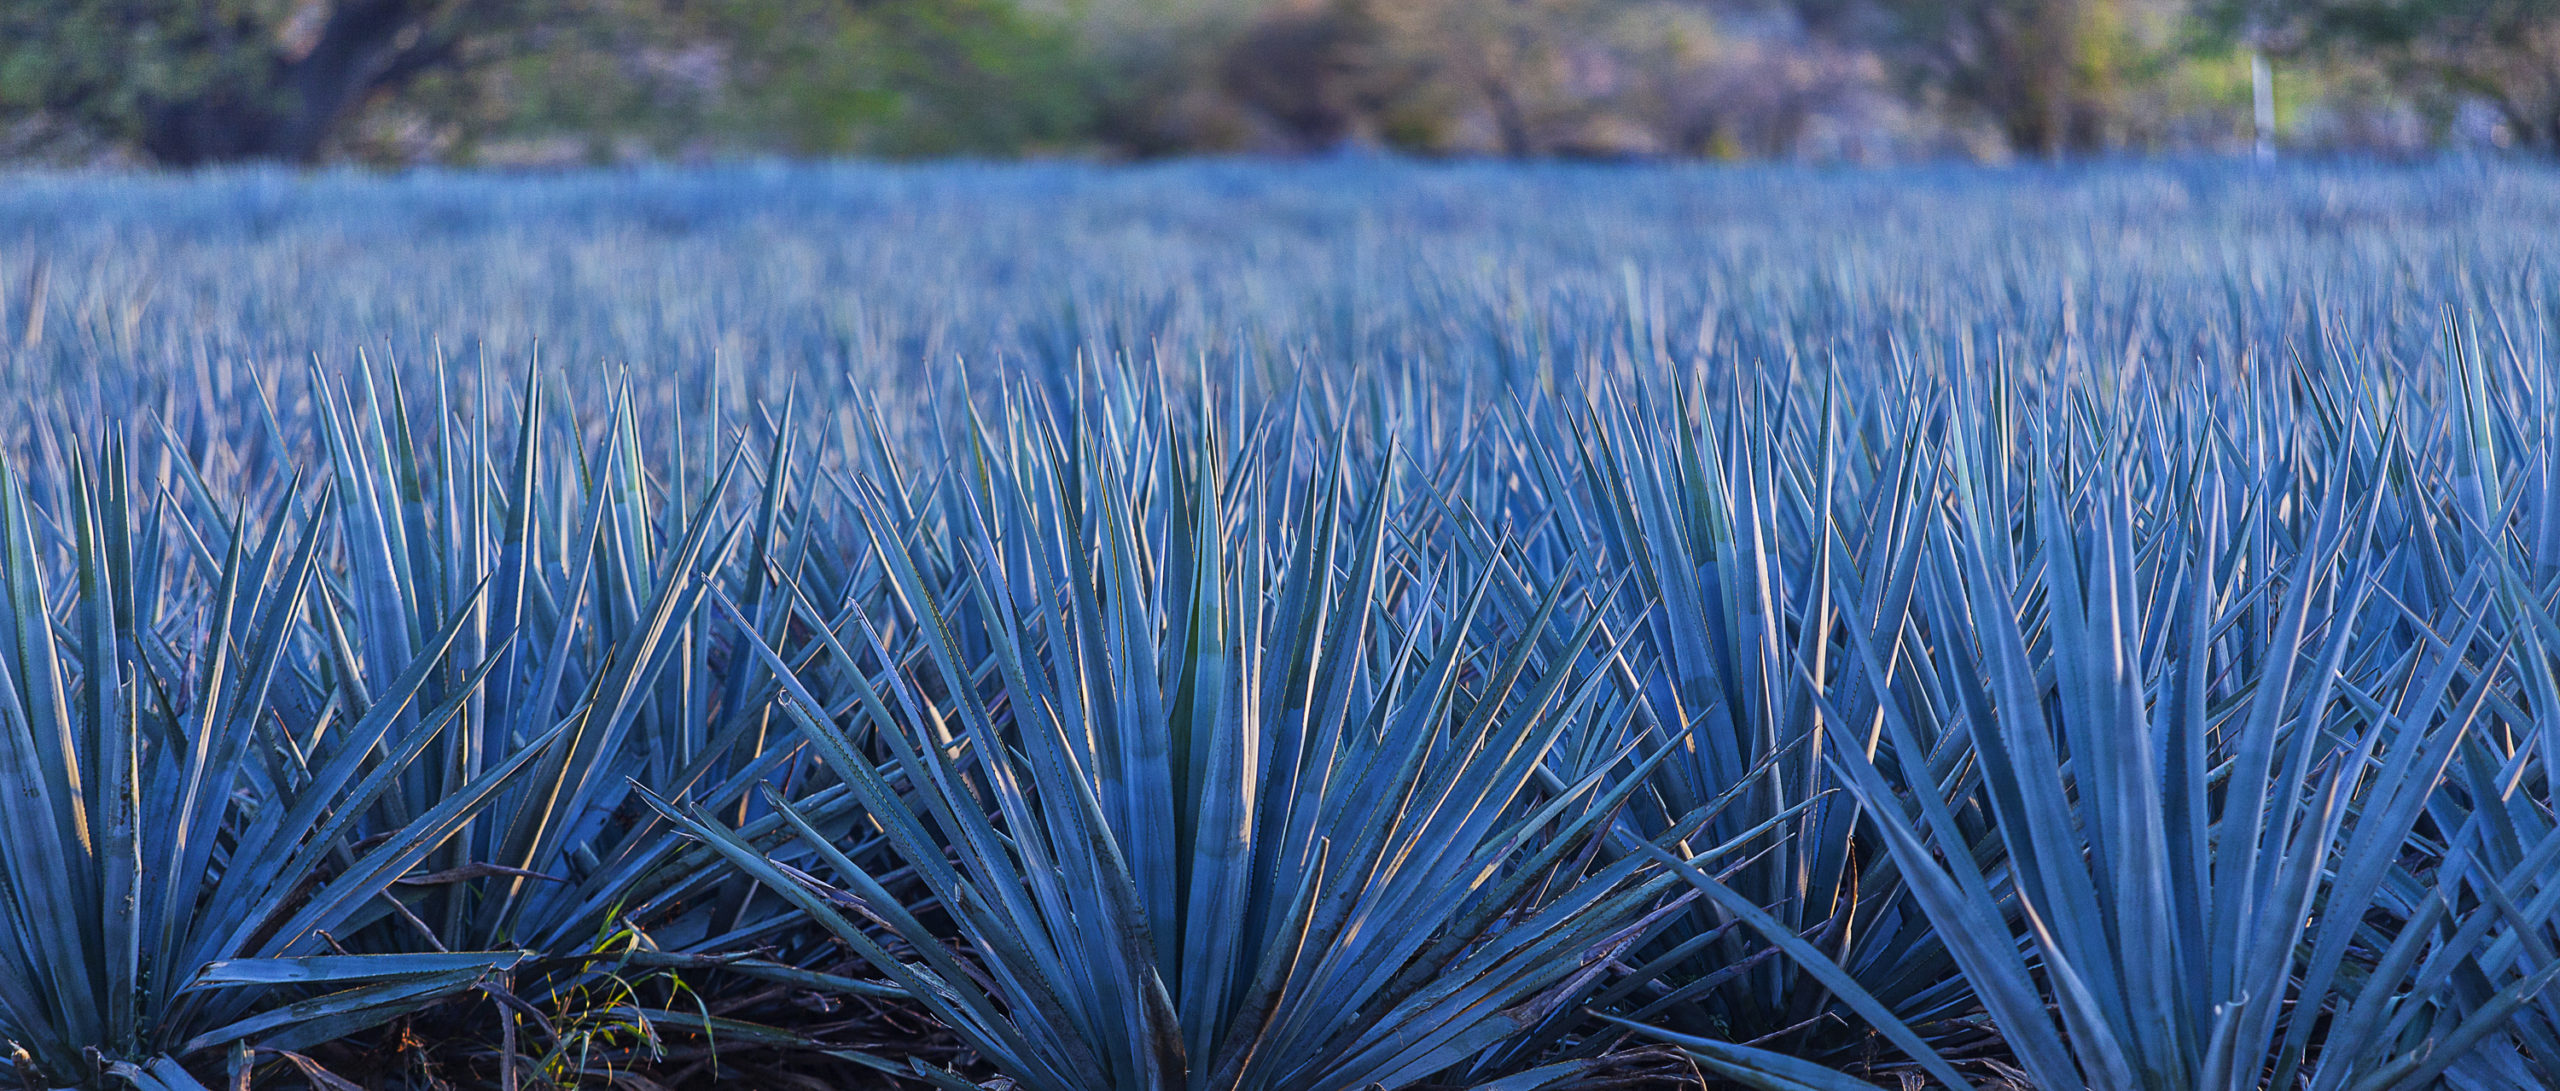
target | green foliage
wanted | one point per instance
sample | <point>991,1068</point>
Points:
<point>110,64</point>
<point>912,77</point>
<point>188,82</point>
<point>191,83</point>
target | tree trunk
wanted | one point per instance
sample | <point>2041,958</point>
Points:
<point>290,113</point>
<point>1510,122</point>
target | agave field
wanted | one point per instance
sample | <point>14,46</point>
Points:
<point>1319,627</point>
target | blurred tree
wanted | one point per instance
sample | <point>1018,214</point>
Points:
<point>1539,69</point>
<point>1319,72</point>
<point>2502,52</point>
<point>1516,78</point>
<point>905,77</point>
<point>1721,91</point>
<point>199,81</point>
<point>1162,72</point>
<point>2050,74</point>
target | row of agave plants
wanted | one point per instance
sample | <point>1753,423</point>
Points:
<point>1972,724</point>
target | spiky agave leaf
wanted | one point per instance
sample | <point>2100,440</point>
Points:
<point>1233,794</point>
<point>597,623</point>
<point>599,631</point>
<point>164,824</point>
<point>2198,829</point>
<point>1747,533</point>
<point>2491,824</point>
